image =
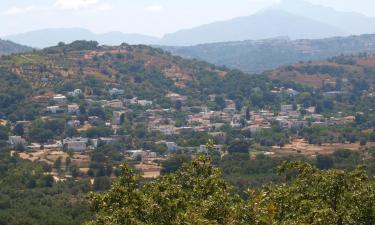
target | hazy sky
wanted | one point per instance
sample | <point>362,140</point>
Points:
<point>154,17</point>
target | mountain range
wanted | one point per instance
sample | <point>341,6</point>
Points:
<point>261,55</point>
<point>296,19</point>
<point>52,36</point>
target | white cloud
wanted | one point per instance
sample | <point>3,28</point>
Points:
<point>154,8</point>
<point>19,10</point>
<point>103,7</point>
<point>65,5</point>
<point>75,4</point>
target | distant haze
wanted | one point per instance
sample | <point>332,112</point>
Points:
<point>179,23</point>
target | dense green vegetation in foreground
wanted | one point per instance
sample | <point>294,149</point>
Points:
<point>28,197</point>
<point>243,172</point>
<point>197,194</point>
<point>28,194</point>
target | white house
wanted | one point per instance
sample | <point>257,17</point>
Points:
<point>73,109</point>
<point>59,99</point>
<point>53,109</point>
<point>134,154</point>
<point>75,144</point>
<point>286,108</point>
<point>115,104</point>
<point>144,102</point>
<point>75,93</point>
<point>16,140</point>
<point>203,148</point>
<point>115,91</point>
<point>176,97</point>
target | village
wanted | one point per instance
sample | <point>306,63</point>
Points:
<point>77,148</point>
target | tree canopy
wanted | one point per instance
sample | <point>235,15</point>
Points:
<point>197,194</point>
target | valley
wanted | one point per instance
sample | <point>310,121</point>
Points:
<point>187,112</point>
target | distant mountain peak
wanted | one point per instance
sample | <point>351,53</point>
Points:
<point>351,22</point>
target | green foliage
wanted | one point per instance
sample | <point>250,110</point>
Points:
<point>29,197</point>
<point>19,129</point>
<point>13,92</point>
<point>239,147</point>
<point>43,131</point>
<point>194,195</point>
<point>74,46</point>
<point>4,133</point>
<point>324,197</point>
<point>96,132</point>
<point>174,163</point>
<point>197,194</point>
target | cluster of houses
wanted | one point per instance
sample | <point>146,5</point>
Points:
<point>159,119</point>
<point>60,103</point>
<point>289,116</point>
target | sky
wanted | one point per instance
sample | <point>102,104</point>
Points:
<point>152,17</point>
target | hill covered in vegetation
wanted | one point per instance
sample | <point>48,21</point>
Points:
<point>350,73</point>
<point>8,47</point>
<point>142,72</point>
<point>261,55</point>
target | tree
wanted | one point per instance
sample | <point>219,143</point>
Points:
<point>74,171</point>
<point>239,147</point>
<point>71,132</point>
<point>122,119</point>
<point>178,105</point>
<point>19,129</point>
<point>82,110</point>
<point>20,147</point>
<point>248,115</point>
<point>220,102</point>
<point>57,164</point>
<point>96,132</point>
<point>324,162</point>
<point>194,195</point>
<point>4,134</point>
<point>48,181</point>
<point>68,161</point>
<point>102,183</point>
<point>97,111</point>
<point>40,135</point>
<point>238,104</point>
<point>323,197</point>
<point>197,194</point>
<point>174,163</point>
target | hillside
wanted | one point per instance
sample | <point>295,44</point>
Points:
<point>8,47</point>
<point>342,73</point>
<point>258,56</point>
<point>142,71</point>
